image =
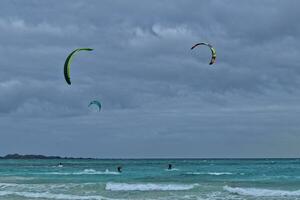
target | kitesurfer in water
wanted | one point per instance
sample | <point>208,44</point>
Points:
<point>169,166</point>
<point>119,169</point>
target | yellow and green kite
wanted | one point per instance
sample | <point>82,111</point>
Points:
<point>68,63</point>
<point>213,51</point>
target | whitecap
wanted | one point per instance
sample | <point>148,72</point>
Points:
<point>42,187</point>
<point>47,195</point>
<point>85,172</point>
<point>173,169</point>
<point>5,185</point>
<point>148,187</point>
<point>92,171</point>
<point>260,192</point>
<point>209,173</point>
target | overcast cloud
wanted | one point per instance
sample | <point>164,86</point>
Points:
<point>159,99</point>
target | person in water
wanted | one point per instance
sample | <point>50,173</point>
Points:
<point>169,166</point>
<point>119,169</point>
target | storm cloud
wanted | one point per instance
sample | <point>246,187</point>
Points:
<point>159,99</point>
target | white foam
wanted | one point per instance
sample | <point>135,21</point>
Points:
<point>173,169</point>
<point>85,172</point>
<point>148,186</point>
<point>5,185</point>
<point>257,192</point>
<point>210,173</point>
<point>219,173</point>
<point>92,171</point>
<point>48,195</point>
<point>41,187</point>
<point>8,177</point>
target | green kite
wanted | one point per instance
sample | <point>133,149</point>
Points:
<point>68,63</point>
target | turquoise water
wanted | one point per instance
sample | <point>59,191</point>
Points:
<point>149,179</point>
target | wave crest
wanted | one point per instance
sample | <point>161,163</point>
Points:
<point>47,195</point>
<point>86,172</point>
<point>257,192</point>
<point>173,169</point>
<point>209,173</point>
<point>148,187</point>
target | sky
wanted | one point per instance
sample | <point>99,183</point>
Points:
<point>159,98</point>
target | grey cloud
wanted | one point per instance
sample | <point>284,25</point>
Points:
<point>152,87</point>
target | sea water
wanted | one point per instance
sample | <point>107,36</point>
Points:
<point>198,179</point>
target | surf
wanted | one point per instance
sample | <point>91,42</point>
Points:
<point>84,172</point>
<point>210,173</point>
<point>148,186</point>
<point>260,192</point>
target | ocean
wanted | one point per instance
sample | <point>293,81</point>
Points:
<point>190,179</point>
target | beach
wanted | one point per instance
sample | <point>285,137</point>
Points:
<point>209,179</point>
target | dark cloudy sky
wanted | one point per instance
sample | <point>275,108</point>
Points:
<point>159,99</point>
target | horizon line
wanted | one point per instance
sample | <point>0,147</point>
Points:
<point>145,158</point>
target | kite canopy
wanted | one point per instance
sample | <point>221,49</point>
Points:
<point>97,103</point>
<point>68,63</point>
<point>213,51</point>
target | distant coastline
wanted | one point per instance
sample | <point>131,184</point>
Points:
<point>29,156</point>
<point>38,156</point>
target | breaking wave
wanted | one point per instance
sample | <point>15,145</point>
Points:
<point>86,172</point>
<point>148,187</point>
<point>257,192</point>
<point>47,195</point>
<point>210,173</point>
<point>173,169</point>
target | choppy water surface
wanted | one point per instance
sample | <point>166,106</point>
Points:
<point>149,179</point>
